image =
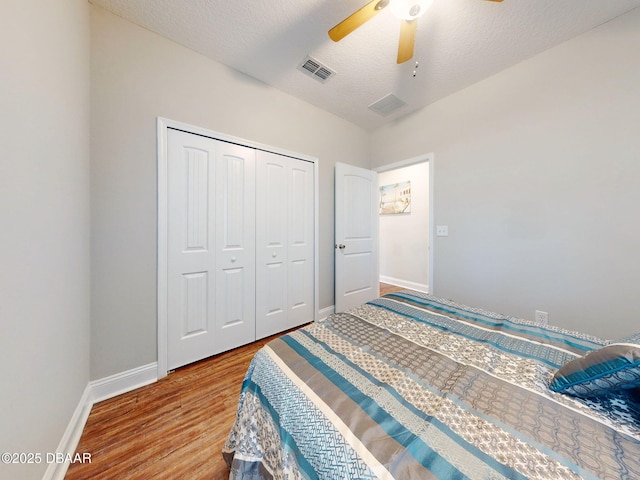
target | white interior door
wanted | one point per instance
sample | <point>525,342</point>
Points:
<point>211,247</point>
<point>356,236</point>
<point>285,243</point>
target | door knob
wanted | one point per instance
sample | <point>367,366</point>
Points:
<point>341,246</point>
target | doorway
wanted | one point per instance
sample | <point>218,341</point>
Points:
<point>406,237</point>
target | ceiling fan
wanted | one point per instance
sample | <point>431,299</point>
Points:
<point>407,10</point>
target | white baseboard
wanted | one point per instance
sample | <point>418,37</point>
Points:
<point>405,284</point>
<point>95,392</point>
<point>71,437</point>
<point>123,382</point>
<point>325,312</point>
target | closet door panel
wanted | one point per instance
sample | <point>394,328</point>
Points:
<point>232,312</point>
<point>235,245</point>
<point>191,253</point>
<point>195,304</point>
<point>299,297</point>
<point>285,243</point>
<point>301,242</point>
<point>271,240</point>
<point>274,289</point>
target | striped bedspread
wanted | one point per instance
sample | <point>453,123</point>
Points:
<point>410,386</point>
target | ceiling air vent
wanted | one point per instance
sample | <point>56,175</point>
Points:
<point>387,105</point>
<point>315,69</point>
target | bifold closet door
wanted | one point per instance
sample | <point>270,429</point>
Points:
<point>285,243</point>
<point>211,247</point>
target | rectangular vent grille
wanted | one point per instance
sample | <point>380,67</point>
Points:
<point>387,105</point>
<point>315,69</point>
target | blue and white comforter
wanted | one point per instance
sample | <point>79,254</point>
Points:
<point>414,387</point>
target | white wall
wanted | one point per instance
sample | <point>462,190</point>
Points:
<point>404,238</point>
<point>137,76</point>
<point>537,177</point>
<point>44,224</point>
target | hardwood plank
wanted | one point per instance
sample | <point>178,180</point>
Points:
<point>388,288</point>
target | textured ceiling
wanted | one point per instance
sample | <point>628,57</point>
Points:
<point>458,43</point>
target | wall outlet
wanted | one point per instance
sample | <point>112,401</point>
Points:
<point>442,230</point>
<point>542,317</point>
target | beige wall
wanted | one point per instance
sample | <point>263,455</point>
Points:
<point>137,76</point>
<point>537,175</point>
<point>44,224</point>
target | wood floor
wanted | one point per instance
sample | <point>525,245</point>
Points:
<point>388,288</point>
<point>172,429</point>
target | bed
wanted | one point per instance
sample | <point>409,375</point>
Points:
<point>410,386</point>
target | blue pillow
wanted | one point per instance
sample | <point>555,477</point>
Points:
<point>607,370</point>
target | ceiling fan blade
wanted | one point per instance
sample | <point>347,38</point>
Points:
<point>356,19</point>
<point>407,40</point>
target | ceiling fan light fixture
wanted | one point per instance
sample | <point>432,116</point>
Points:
<point>409,9</point>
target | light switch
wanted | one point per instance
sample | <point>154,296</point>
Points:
<point>442,231</point>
